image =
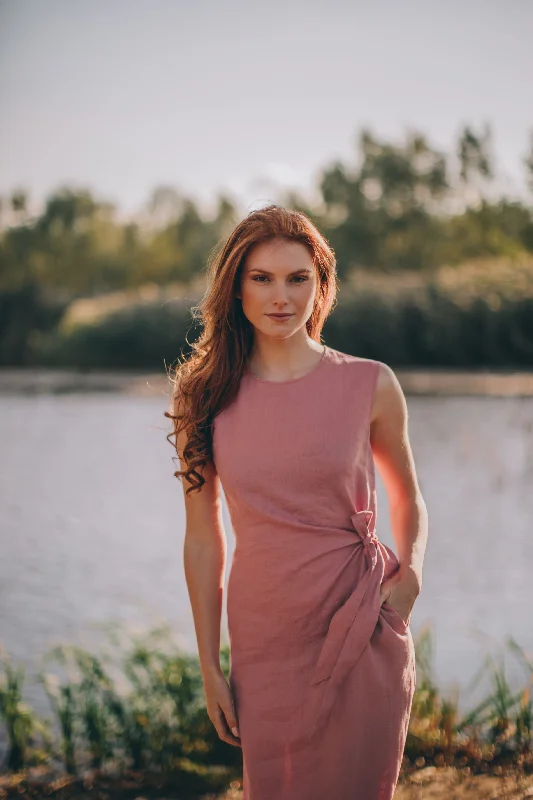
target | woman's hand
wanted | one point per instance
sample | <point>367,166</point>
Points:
<point>220,706</point>
<point>400,591</point>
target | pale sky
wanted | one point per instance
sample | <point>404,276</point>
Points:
<point>123,95</point>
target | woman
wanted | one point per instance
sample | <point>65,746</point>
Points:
<point>322,657</point>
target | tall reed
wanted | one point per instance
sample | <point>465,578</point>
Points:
<point>140,706</point>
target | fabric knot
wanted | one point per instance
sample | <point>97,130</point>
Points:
<point>363,524</point>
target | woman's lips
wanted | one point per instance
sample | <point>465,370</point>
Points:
<point>279,316</point>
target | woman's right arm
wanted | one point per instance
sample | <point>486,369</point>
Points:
<point>204,556</point>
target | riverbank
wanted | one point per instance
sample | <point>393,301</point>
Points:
<point>413,382</point>
<point>132,724</point>
<point>444,783</point>
<point>429,783</point>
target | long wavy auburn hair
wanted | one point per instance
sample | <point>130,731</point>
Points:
<point>208,380</point>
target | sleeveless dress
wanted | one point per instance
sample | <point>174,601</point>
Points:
<point>322,674</point>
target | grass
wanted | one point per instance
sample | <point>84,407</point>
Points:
<point>133,720</point>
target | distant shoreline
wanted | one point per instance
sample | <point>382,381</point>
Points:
<point>439,382</point>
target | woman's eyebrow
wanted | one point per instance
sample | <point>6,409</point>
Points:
<point>258,269</point>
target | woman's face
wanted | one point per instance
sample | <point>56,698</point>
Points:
<point>278,277</point>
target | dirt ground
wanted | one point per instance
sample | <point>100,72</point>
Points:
<point>446,783</point>
<point>430,783</point>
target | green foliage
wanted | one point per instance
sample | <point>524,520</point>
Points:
<point>428,328</point>
<point>143,336</point>
<point>79,246</point>
<point>140,706</point>
<point>409,206</point>
<point>496,729</point>
<point>27,316</point>
<point>22,726</point>
<point>403,206</point>
<point>150,715</point>
<point>436,331</point>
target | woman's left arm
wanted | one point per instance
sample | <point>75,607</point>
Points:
<point>394,460</point>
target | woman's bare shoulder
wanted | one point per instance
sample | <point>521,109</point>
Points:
<point>389,397</point>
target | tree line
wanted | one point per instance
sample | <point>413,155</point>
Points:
<point>397,207</point>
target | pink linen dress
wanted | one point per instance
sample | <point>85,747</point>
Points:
<point>322,674</point>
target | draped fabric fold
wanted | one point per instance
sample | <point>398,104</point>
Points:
<point>352,624</point>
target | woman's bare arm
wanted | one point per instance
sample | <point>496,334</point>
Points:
<point>393,456</point>
<point>204,557</point>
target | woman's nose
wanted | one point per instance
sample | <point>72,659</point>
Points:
<point>281,293</point>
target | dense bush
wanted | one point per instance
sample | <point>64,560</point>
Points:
<point>27,314</point>
<point>432,326</point>
<point>435,333</point>
<point>140,337</point>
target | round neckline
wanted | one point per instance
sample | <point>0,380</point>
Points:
<point>291,380</point>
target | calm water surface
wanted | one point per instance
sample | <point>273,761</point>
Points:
<point>92,524</point>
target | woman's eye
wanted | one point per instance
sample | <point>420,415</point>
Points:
<point>296,278</point>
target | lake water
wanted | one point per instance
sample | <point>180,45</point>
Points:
<point>92,526</point>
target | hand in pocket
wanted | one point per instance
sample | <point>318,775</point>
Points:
<point>400,592</point>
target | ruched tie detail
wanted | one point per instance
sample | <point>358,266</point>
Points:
<point>352,624</point>
<point>363,524</point>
